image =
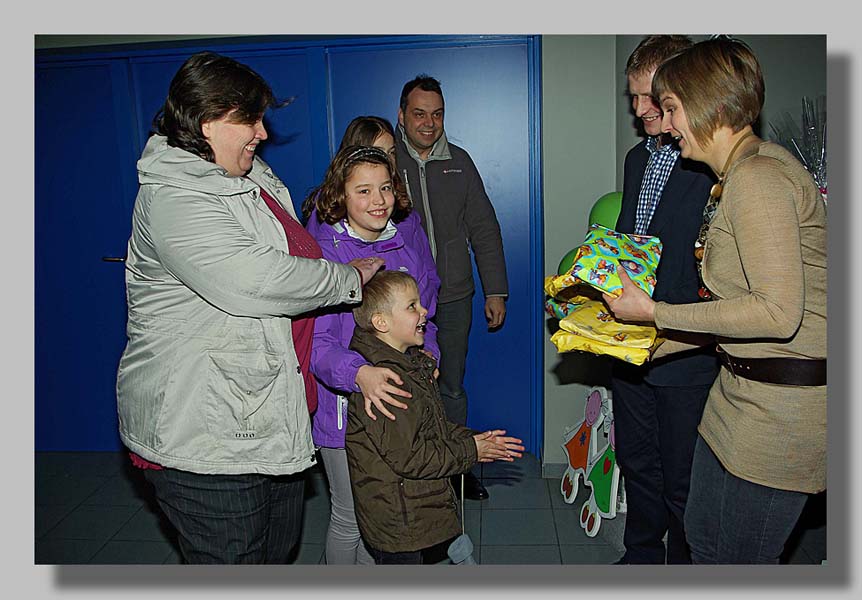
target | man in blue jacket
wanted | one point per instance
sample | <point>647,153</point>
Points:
<point>449,196</point>
<point>657,407</point>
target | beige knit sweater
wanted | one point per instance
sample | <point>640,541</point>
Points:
<point>765,263</point>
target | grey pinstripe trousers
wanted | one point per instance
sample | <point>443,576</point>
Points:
<point>231,519</point>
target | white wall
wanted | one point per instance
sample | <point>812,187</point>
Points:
<point>579,85</point>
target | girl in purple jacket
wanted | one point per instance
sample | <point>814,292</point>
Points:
<point>360,211</point>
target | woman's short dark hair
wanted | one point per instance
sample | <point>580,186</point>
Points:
<point>207,87</point>
<point>719,83</point>
<point>329,198</point>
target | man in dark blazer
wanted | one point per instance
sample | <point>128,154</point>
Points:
<point>657,407</point>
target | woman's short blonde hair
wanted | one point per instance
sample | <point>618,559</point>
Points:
<point>718,82</point>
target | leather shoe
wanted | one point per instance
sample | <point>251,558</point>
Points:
<point>473,488</point>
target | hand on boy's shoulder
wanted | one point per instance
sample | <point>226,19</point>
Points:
<point>380,386</point>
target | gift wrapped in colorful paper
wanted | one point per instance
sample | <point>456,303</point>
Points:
<point>586,324</point>
<point>568,342</point>
<point>560,308</point>
<point>590,327</point>
<point>603,251</point>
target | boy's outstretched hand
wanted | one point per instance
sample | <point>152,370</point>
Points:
<point>494,445</point>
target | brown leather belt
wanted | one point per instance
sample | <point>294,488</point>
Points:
<point>780,371</point>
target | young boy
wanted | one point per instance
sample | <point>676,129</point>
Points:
<point>399,470</point>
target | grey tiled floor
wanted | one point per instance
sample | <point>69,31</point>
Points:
<point>95,508</point>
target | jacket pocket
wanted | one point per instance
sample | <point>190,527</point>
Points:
<point>459,270</point>
<point>242,399</point>
<point>414,489</point>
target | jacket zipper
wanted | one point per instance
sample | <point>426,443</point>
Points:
<point>341,404</point>
<point>426,206</point>
<point>403,502</point>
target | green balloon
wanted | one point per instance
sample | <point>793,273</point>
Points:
<point>606,210</point>
<point>567,261</point>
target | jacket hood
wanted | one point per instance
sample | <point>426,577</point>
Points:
<point>439,151</point>
<point>166,165</point>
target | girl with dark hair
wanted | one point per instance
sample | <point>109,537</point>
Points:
<point>762,250</point>
<point>213,388</point>
<point>354,218</point>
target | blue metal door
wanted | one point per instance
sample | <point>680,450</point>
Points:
<point>84,189</point>
<point>489,91</point>
<point>94,114</point>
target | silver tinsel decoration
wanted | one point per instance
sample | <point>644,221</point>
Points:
<point>809,142</point>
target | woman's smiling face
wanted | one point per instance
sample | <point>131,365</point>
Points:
<point>676,124</point>
<point>233,143</point>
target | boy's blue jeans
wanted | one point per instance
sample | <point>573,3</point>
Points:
<point>729,520</point>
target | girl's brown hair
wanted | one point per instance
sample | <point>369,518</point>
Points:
<point>329,198</point>
<point>362,131</point>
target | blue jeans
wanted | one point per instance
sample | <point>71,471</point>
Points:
<point>231,519</point>
<point>453,320</point>
<point>729,520</point>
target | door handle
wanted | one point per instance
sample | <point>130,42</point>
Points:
<point>120,259</point>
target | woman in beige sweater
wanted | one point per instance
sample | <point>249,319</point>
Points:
<point>762,439</point>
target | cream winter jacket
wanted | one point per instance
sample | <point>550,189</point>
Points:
<point>209,381</point>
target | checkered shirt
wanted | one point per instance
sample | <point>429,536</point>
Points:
<point>658,168</point>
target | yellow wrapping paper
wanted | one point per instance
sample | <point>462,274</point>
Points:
<point>594,321</point>
<point>568,342</point>
<point>587,325</point>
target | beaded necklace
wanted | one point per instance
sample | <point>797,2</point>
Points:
<point>708,212</point>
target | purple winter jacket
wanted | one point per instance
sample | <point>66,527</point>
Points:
<point>333,364</point>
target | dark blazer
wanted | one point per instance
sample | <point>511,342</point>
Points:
<point>676,223</point>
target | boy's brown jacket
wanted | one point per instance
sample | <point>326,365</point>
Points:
<point>399,470</point>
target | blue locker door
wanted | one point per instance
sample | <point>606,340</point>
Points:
<point>488,96</point>
<point>83,192</point>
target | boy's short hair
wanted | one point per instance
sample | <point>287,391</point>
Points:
<point>653,50</point>
<point>377,296</point>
